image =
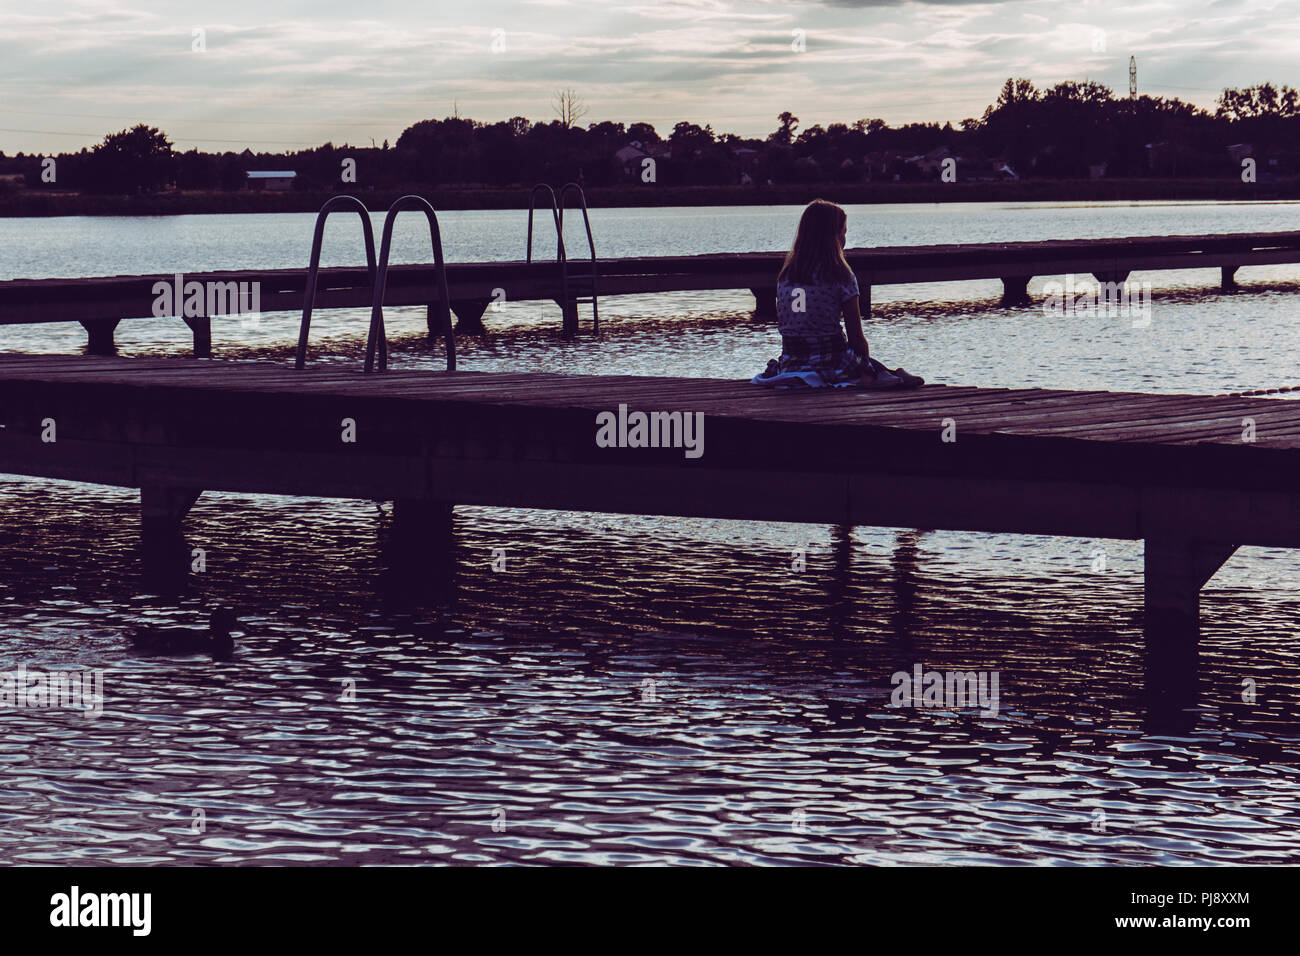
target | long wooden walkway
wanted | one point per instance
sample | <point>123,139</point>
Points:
<point>100,303</point>
<point>1195,476</point>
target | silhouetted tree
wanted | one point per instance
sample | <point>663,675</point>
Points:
<point>1057,132</point>
<point>784,133</point>
<point>134,160</point>
<point>568,107</point>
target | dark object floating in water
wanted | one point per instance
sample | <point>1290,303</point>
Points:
<point>216,640</point>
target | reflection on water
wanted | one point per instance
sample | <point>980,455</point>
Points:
<point>624,690</point>
<point>630,689</point>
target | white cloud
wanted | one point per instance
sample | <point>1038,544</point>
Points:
<point>347,71</point>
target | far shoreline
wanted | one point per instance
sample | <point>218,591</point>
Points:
<point>39,203</point>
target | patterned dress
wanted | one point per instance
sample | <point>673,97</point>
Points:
<point>812,336</point>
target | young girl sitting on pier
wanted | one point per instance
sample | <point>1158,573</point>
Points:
<point>814,288</point>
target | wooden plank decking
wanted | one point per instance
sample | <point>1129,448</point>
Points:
<point>422,433</point>
<point>1175,470</point>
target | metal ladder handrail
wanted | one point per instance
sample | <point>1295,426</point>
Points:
<point>313,268</point>
<point>591,246</point>
<point>377,339</point>
<point>561,256</point>
<point>555,214</point>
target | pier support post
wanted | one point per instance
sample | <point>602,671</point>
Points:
<point>420,550</point>
<point>201,326</point>
<point>469,317</point>
<point>100,333</point>
<point>1111,286</point>
<point>422,532</point>
<point>1228,278</point>
<point>1015,290</point>
<point>569,310</point>
<point>420,524</point>
<point>162,542</point>
<point>764,302</point>
<point>1175,571</point>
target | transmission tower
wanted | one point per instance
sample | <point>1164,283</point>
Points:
<point>1132,77</point>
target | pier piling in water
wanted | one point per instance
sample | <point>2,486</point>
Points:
<point>469,317</point>
<point>162,511</point>
<point>421,525</point>
<point>1015,290</point>
<point>1175,569</point>
<point>201,326</point>
<point>764,302</point>
<point>569,311</point>
<point>420,552</point>
<point>100,336</point>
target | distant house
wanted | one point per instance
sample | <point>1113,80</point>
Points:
<point>629,154</point>
<point>271,180</point>
<point>975,167</point>
<point>969,166</point>
<point>629,158</point>
<point>931,163</point>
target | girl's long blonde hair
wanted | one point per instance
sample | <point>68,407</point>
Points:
<point>816,253</point>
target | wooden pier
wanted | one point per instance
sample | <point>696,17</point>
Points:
<point>101,303</point>
<point>1194,476</point>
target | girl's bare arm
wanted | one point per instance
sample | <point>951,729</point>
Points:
<point>853,327</point>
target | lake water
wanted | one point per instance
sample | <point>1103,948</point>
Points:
<point>651,690</point>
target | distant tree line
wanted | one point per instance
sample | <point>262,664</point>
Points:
<point>1068,131</point>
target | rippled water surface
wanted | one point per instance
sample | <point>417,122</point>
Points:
<point>652,690</point>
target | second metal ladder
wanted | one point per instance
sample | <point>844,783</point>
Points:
<point>579,288</point>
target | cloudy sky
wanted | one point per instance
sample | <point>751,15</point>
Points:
<point>279,75</point>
